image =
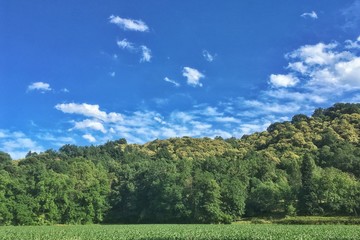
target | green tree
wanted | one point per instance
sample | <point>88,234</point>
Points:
<point>308,202</point>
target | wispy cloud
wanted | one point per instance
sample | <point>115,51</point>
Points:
<point>125,44</point>
<point>312,15</point>
<point>17,144</point>
<point>39,86</point>
<point>89,138</point>
<point>129,24</point>
<point>351,15</point>
<point>208,56</point>
<point>145,53</point>
<point>193,76</point>
<point>353,44</point>
<point>65,90</point>
<point>176,84</point>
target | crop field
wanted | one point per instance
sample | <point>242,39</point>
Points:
<point>228,232</point>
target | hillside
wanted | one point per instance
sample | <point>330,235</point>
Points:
<point>307,166</point>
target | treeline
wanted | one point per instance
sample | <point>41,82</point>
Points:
<point>307,166</point>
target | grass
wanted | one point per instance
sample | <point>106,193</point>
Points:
<point>172,231</point>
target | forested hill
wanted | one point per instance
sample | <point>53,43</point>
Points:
<point>307,166</point>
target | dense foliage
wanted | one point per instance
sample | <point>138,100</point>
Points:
<point>307,166</point>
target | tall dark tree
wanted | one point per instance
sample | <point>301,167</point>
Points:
<point>307,204</point>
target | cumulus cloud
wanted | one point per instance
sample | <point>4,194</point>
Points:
<point>325,67</point>
<point>208,56</point>
<point>193,76</point>
<point>280,80</point>
<point>315,75</point>
<point>39,86</point>
<point>318,54</point>
<point>89,110</point>
<point>176,84</point>
<point>89,137</point>
<point>91,124</point>
<point>298,67</point>
<point>129,24</point>
<point>145,54</point>
<point>312,15</point>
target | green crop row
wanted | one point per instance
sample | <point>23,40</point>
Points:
<point>159,232</point>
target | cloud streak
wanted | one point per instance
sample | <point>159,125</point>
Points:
<point>311,15</point>
<point>129,24</point>
<point>176,84</point>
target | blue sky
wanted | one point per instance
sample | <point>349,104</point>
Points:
<point>85,72</point>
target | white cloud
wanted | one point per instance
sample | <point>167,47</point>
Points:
<point>348,73</point>
<point>318,54</point>
<point>166,79</point>
<point>182,116</point>
<point>129,24</point>
<point>55,140</point>
<point>326,69</point>
<point>89,137</point>
<point>193,76</point>
<point>125,44</point>
<point>89,110</point>
<point>65,90</point>
<point>40,86</point>
<point>296,96</point>
<point>144,50</point>
<point>208,57</point>
<point>280,80</point>
<point>17,144</point>
<point>298,67</point>
<point>353,44</point>
<point>226,120</point>
<point>85,109</point>
<point>312,15</point>
<point>145,53</point>
<point>92,124</point>
<point>211,111</point>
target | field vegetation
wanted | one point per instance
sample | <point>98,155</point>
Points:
<point>178,232</point>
